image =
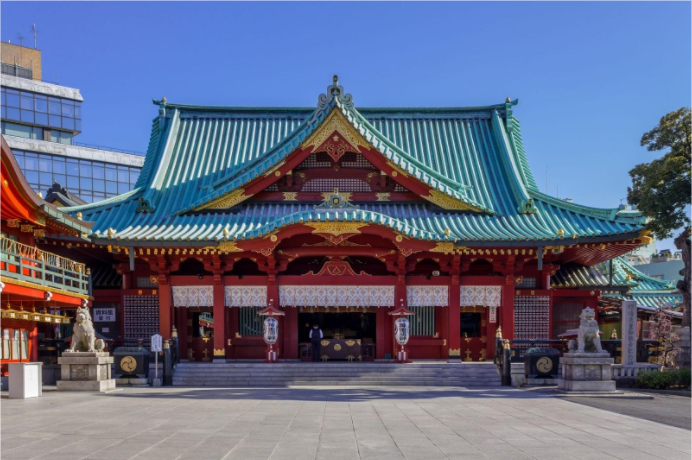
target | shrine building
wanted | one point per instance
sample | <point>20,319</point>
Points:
<point>37,287</point>
<point>336,215</point>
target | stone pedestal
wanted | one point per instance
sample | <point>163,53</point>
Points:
<point>587,372</point>
<point>82,371</point>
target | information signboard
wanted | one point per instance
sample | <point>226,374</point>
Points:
<point>104,315</point>
<point>156,343</point>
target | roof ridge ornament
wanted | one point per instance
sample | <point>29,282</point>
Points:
<point>334,92</point>
<point>143,206</point>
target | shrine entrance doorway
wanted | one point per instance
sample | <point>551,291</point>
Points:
<point>197,337</point>
<point>349,334</point>
<point>473,333</point>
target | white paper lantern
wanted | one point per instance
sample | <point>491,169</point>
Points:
<point>402,330</point>
<point>271,330</point>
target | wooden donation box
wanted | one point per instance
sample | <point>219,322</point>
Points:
<point>335,349</point>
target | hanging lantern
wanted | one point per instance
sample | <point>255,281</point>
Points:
<point>271,330</point>
<point>402,330</point>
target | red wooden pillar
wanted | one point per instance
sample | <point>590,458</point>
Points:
<point>490,331</point>
<point>544,279</point>
<point>219,319</point>
<point>165,304</point>
<point>454,321</point>
<point>232,320</point>
<point>507,308</point>
<point>291,333</point>
<point>381,338</point>
<point>33,343</point>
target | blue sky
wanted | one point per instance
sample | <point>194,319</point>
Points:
<point>591,78</point>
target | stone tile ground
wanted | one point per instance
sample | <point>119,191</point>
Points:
<point>327,423</point>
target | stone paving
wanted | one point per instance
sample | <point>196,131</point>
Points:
<point>327,423</point>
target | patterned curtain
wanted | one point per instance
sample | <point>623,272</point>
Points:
<point>336,296</point>
<point>193,296</point>
<point>246,296</point>
<point>486,296</point>
<point>427,296</point>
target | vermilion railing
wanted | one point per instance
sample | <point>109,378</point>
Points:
<point>27,263</point>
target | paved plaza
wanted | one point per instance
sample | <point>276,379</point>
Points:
<point>327,423</point>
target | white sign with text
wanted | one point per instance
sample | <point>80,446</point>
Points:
<point>156,342</point>
<point>104,315</point>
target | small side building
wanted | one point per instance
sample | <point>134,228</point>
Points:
<point>38,288</point>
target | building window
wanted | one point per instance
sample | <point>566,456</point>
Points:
<point>27,132</point>
<point>250,323</point>
<point>423,322</point>
<point>84,178</point>
<point>61,137</point>
<point>35,108</point>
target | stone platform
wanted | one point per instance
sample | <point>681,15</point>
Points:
<point>587,372</point>
<point>82,371</point>
<point>467,374</point>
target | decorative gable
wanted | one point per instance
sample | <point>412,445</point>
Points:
<point>335,136</point>
<point>337,130</point>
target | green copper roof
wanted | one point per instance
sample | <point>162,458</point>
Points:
<point>624,275</point>
<point>475,154</point>
<point>645,290</point>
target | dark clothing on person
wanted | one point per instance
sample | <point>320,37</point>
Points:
<point>316,338</point>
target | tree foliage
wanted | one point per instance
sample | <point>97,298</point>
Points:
<point>661,189</point>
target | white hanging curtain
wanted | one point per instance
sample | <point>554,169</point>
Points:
<point>193,296</point>
<point>485,296</point>
<point>336,296</point>
<point>245,296</point>
<point>427,296</point>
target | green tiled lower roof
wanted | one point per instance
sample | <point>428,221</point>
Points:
<point>645,290</point>
<point>624,275</point>
<point>413,220</point>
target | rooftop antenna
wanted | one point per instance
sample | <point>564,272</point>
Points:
<point>21,39</point>
<point>33,28</point>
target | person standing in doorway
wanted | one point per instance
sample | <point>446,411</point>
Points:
<point>316,338</point>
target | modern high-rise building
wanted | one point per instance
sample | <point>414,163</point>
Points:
<point>40,121</point>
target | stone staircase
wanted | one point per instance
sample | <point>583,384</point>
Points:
<point>336,373</point>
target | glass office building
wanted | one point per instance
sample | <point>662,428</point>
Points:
<point>40,121</point>
<point>89,179</point>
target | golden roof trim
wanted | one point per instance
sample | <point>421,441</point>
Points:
<point>336,121</point>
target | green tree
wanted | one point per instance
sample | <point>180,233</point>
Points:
<point>661,189</point>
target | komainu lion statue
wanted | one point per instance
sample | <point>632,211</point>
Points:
<point>84,337</point>
<point>588,339</point>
